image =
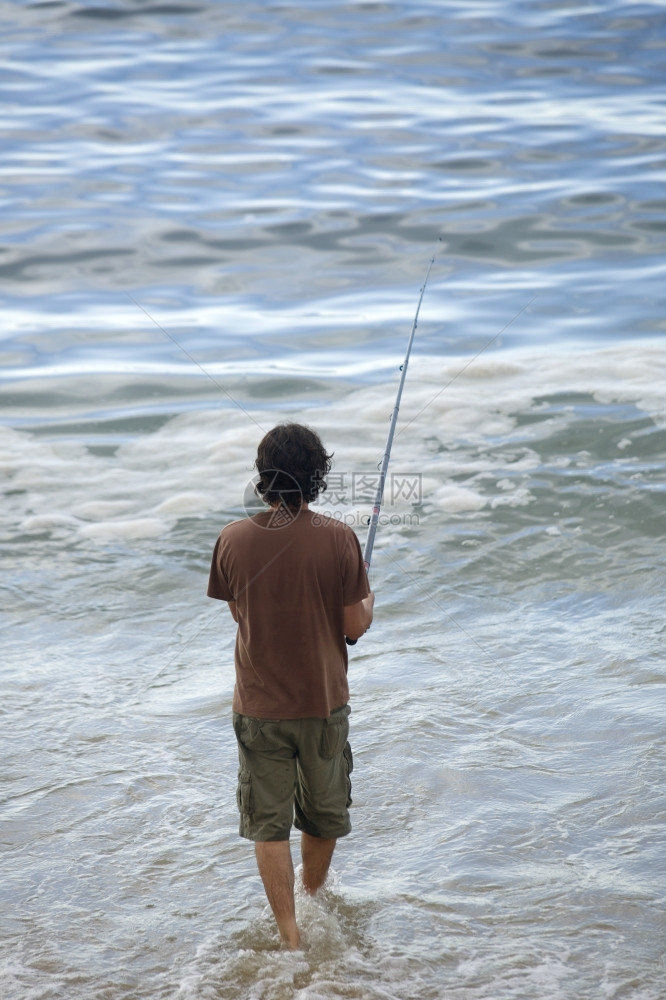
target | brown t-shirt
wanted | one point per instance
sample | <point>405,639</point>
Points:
<point>290,579</point>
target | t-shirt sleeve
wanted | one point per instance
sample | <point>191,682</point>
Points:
<point>218,585</point>
<point>354,577</point>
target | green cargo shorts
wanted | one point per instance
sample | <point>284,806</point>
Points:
<point>294,771</point>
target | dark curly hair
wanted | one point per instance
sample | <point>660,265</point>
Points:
<point>292,463</point>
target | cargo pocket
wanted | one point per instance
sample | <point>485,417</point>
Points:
<point>255,734</point>
<point>335,733</point>
<point>244,801</point>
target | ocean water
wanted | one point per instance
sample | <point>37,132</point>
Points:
<point>217,216</point>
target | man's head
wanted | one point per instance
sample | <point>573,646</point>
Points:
<point>292,463</point>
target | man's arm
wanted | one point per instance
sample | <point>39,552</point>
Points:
<point>358,617</point>
<point>234,612</point>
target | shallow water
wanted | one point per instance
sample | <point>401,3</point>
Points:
<point>215,217</point>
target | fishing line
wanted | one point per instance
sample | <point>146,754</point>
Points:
<point>457,624</point>
<point>468,363</point>
<point>191,639</point>
<point>195,362</point>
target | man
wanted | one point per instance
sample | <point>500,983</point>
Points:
<point>296,586</point>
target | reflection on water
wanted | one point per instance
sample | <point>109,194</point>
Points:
<point>216,216</point>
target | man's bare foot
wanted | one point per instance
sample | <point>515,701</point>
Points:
<point>291,937</point>
<point>300,945</point>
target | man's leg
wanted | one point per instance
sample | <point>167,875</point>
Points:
<point>323,794</point>
<point>277,874</point>
<point>316,853</point>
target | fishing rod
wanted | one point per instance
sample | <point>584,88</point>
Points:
<point>379,496</point>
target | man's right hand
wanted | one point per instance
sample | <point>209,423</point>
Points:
<point>358,617</point>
